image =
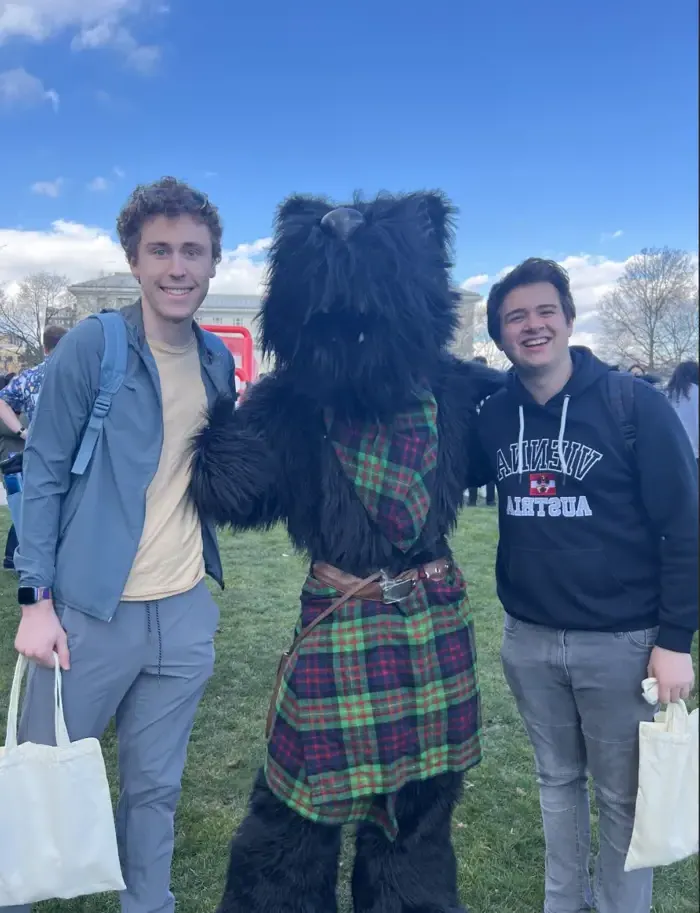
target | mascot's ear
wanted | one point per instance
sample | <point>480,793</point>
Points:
<point>301,207</point>
<point>441,215</point>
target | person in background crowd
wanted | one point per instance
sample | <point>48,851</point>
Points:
<point>597,570</point>
<point>682,392</point>
<point>19,398</point>
<point>113,563</point>
<point>10,443</point>
<point>473,493</point>
<point>21,394</point>
<point>639,371</point>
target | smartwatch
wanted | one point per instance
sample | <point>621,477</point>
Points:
<point>29,595</point>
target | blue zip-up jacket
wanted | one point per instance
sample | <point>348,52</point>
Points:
<point>80,535</point>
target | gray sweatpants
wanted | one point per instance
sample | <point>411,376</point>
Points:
<point>148,667</point>
<point>580,697</point>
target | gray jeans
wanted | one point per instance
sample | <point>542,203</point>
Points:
<point>579,695</point>
<point>148,667</point>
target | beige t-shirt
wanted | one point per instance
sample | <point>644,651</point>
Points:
<point>170,557</point>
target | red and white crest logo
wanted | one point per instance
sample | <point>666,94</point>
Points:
<point>542,484</point>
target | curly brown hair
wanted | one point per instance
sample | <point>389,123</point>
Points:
<point>166,197</point>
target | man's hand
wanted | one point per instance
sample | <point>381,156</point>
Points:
<point>40,635</point>
<point>673,673</point>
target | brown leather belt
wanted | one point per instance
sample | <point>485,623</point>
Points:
<point>378,586</point>
<point>385,589</point>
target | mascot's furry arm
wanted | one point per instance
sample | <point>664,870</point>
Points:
<point>249,463</point>
<point>234,467</point>
<point>462,386</point>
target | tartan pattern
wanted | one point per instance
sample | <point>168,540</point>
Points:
<point>391,467</point>
<point>377,696</point>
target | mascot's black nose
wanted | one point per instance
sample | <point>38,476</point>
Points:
<point>342,222</point>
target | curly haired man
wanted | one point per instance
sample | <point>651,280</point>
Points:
<point>115,559</point>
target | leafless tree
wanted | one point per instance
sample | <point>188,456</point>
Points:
<point>484,346</point>
<point>651,316</point>
<point>463,342</point>
<point>472,339</point>
<point>37,303</point>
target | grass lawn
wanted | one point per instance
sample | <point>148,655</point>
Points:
<point>498,834</point>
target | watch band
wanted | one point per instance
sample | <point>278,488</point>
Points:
<point>29,595</point>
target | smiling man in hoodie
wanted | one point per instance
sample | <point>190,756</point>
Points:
<point>597,570</point>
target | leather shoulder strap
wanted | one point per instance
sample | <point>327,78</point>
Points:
<point>303,634</point>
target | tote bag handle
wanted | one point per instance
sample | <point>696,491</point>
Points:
<point>62,739</point>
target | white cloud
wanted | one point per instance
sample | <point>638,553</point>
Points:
<point>48,188</point>
<point>19,89</point>
<point>82,252</point>
<point>590,340</point>
<point>98,184</point>
<point>94,23</point>
<point>475,282</point>
<point>144,57</point>
<point>118,172</point>
<point>43,19</point>
<point>252,250</point>
<point>591,278</point>
<point>110,34</point>
<point>611,235</point>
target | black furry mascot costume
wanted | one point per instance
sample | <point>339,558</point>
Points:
<point>359,443</point>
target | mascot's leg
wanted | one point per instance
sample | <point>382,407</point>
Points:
<point>418,872</point>
<point>280,862</point>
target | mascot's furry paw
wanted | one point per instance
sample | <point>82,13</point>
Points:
<point>232,467</point>
<point>280,863</point>
<point>417,873</point>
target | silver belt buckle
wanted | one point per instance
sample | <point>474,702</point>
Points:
<point>395,590</point>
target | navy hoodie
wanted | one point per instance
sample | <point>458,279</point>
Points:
<point>590,537</point>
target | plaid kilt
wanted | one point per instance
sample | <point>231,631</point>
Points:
<point>377,696</point>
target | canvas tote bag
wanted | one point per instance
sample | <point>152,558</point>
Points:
<point>666,814</point>
<point>57,836</point>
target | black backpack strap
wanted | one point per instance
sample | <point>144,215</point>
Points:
<point>621,397</point>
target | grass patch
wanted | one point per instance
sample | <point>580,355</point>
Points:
<point>498,833</point>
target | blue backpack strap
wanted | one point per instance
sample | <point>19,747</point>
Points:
<point>112,372</point>
<point>621,396</point>
<point>216,345</point>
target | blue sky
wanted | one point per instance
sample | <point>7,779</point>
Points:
<point>552,126</point>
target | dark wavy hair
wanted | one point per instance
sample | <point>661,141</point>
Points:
<point>166,197</point>
<point>528,272</point>
<point>682,379</point>
<point>51,337</point>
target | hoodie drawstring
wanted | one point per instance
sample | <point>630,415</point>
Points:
<point>521,435</point>
<point>562,429</point>
<point>560,440</point>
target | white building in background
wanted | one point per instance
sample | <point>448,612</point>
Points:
<point>121,289</point>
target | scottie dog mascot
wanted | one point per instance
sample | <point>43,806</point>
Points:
<point>359,442</point>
